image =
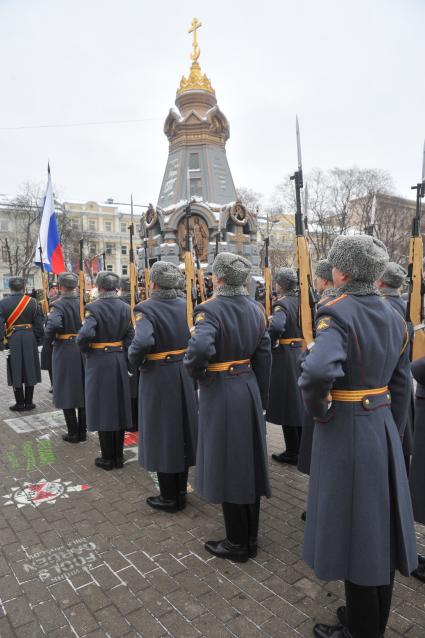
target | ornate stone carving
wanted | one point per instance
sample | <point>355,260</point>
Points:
<point>198,230</point>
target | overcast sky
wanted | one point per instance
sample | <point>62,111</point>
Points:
<point>352,70</point>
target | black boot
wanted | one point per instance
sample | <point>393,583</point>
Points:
<point>29,393</point>
<point>235,545</point>
<point>182,480</point>
<point>419,572</point>
<point>19,400</point>
<point>341,613</point>
<point>119,449</point>
<point>82,427</point>
<point>253,522</point>
<point>168,500</point>
<point>106,461</point>
<point>331,631</point>
<point>72,435</point>
<point>292,442</point>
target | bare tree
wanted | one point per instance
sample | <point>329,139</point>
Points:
<point>24,223</point>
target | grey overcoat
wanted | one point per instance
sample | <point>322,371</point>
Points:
<point>231,459</point>
<point>359,515</point>
<point>417,467</point>
<point>168,410</point>
<point>107,320</point>
<point>67,360</point>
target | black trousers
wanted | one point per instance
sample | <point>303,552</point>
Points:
<point>292,438</point>
<point>368,609</point>
<point>112,445</point>
<point>241,522</point>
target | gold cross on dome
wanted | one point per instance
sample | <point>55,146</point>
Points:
<point>193,29</point>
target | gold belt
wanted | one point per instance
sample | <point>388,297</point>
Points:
<point>287,342</point>
<point>161,356</point>
<point>65,337</point>
<point>10,330</point>
<point>105,345</point>
<point>227,366</point>
<point>353,396</point>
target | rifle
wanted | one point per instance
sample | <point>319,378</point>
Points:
<point>146,268</point>
<point>371,228</point>
<point>133,274</point>
<point>267,279</point>
<point>200,278</point>
<point>415,305</point>
<point>44,303</point>
<point>305,279</point>
<point>189,270</point>
<point>81,280</point>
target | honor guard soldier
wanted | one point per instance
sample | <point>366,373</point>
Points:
<point>417,468</point>
<point>105,335</point>
<point>389,285</point>
<point>168,427</point>
<point>285,405</point>
<point>229,356</point>
<point>62,325</point>
<point>324,286</point>
<point>355,382</point>
<point>21,330</point>
<point>324,282</point>
<point>133,375</point>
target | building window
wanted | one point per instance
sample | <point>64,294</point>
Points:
<point>109,268</point>
<point>4,255</point>
<point>194,161</point>
<point>123,250</point>
<point>75,223</point>
<point>4,225</point>
<point>107,226</point>
<point>92,225</point>
<point>92,248</point>
<point>109,249</point>
<point>124,269</point>
<point>123,227</point>
<point>195,187</point>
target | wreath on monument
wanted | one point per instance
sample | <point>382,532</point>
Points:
<point>151,217</point>
<point>238,214</point>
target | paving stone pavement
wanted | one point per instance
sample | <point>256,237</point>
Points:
<point>81,554</point>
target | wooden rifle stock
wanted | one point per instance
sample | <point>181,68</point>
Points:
<point>200,278</point>
<point>190,282</point>
<point>44,302</point>
<point>415,309</point>
<point>267,281</point>
<point>306,313</point>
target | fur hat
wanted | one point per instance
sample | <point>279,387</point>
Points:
<point>106,280</point>
<point>324,270</point>
<point>181,282</point>
<point>286,278</point>
<point>363,257</point>
<point>16,284</point>
<point>68,280</point>
<point>165,274</point>
<point>125,284</point>
<point>393,275</point>
<point>232,269</point>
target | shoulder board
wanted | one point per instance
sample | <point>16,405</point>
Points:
<point>334,301</point>
<point>213,298</point>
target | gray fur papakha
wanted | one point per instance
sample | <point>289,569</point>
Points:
<point>363,257</point>
<point>165,275</point>
<point>16,284</point>
<point>107,280</point>
<point>232,269</point>
<point>125,284</point>
<point>393,275</point>
<point>324,270</point>
<point>68,280</point>
<point>286,278</point>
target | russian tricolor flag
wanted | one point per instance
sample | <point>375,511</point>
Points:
<point>48,239</point>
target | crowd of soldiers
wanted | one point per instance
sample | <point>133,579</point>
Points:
<point>201,397</point>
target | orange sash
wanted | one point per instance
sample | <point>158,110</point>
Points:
<point>16,313</point>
